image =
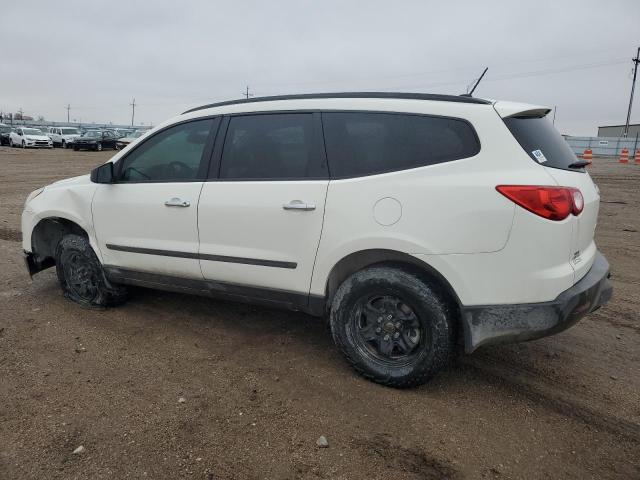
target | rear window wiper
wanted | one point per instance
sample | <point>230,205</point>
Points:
<point>579,164</point>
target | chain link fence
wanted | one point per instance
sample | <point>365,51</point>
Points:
<point>603,146</point>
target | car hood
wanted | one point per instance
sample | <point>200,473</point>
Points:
<point>87,139</point>
<point>36,137</point>
<point>68,182</point>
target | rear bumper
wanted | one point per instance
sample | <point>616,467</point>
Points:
<point>490,324</point>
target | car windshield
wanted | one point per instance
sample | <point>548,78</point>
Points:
<point>69,131</point>
<point>93,134</point>
<point>32,131</point>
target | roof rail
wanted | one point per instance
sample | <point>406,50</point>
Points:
<point>305,96</point>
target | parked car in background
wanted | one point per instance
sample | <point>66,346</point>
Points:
<point>95,140</point>
<point>5,130</point>
<point>123,132</point>
<point>124,141</point>
<point>63,136</point>
<point>26,137</point>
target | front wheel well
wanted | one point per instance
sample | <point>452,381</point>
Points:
<point>45,238</point>
<point>391,258</point>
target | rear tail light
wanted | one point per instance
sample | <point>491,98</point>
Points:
<point>553,203</point>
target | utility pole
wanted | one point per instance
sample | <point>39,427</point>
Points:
<point>554,114</point>
<point>68,108</point>
<point>21,113</point>
<point>247,94</point>
<point>133,110</point>
<point>633,86</point>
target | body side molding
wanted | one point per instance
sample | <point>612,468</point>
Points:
<point>204,256</point>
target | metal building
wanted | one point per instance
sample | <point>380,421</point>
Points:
<point>616,130</point>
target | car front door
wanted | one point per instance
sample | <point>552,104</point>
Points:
<point>260,216</point>
<point>147,220</point>
<point>106,140</point>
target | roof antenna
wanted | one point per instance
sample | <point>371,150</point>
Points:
<point>469,94</point>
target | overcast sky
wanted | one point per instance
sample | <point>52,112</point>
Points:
<point>171,55</point>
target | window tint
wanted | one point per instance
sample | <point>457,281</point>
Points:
<point>360,144</point>
<point>273,146</point>
<point>171,155</point>
<point>541,141</point>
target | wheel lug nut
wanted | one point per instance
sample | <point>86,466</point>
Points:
<point>396,335</point>
<point>397,324</point>
<point>386,337</point>
<point>379,319</point>
<point>378,330</point>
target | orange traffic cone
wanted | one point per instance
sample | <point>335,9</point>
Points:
<point>637,157</point>
<point>588,154</point>
<point>624,156</point>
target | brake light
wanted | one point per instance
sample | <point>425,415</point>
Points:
<point>553,203</point>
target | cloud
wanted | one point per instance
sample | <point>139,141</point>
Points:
<point>172,55</point>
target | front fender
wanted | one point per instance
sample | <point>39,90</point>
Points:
<point>69,201</point>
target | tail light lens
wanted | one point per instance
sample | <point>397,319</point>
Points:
<point>553,203</point>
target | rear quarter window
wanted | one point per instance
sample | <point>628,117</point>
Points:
<point>542,142</point>
<point>361,144</point>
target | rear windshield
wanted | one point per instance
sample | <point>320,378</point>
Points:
<point>542,142</point>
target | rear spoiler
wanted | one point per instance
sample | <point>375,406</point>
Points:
<point>513,109</point>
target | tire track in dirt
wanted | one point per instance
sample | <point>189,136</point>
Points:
<point>552,397</point>
<point>10,234</point>
<point>408,460</point>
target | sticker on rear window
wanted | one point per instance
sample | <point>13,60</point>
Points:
<point>539,156</point>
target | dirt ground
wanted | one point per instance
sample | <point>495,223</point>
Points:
<point>260,386</point>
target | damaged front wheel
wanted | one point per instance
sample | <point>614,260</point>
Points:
<point>81,275</point>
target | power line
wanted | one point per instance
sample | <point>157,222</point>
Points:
<point>633,86</point>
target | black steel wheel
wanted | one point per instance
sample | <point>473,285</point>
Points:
<point>386,328</point>
<point>81,275</point>
<point>99,147</point>
<point>392,327</point>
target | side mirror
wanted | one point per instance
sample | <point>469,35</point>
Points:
<point>103,173</point>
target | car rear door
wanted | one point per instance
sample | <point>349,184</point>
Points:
<point>147,220</point>
<point>260,216</point>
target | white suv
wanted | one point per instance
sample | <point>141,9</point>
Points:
<point>412,221</point>
<point>63,136</point>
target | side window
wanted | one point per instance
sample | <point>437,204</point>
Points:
<point>272,146</point>
<point>174,154</point>
<point>360,144</point>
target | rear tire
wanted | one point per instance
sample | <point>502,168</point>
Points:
<point>392,327</point>
<point>99,147</point>
<point>82,277</point>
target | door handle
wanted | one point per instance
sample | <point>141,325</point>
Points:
<point>177,202</point>
<point>299,205</point>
